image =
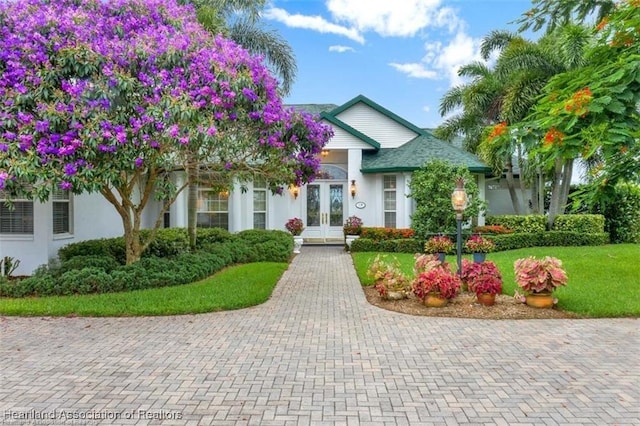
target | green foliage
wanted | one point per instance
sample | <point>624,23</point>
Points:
<point>604,281</point>
<point>233,288</point>
<point>548,238</point>
<point>585,223</point>
<point>106,247</point>
<point>208,236</point>
<point>622,212</point>
<point>431,189</point>
<point>167,242</point>
<point>519,223</point>
<point>106,263</point>
<point>404,245</point>
<point>85,274</point>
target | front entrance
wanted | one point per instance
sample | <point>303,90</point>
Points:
<point>325,211</point>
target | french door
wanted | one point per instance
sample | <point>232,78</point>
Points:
<point>325,211</point>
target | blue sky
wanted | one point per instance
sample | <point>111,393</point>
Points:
<point>402,54</point>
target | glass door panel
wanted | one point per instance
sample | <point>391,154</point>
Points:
<point>336,209</point>
<point>313,205</point>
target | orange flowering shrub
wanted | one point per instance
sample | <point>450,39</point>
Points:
<point>386,233</point>
<point>497,131</point>
<point>553,137</point>
<point>578,104</point>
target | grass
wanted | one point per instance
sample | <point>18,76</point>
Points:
<point>604,281</point>
<point>233,288</point>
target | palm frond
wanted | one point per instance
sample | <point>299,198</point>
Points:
<point>275,49</point>
<point>495,40</point>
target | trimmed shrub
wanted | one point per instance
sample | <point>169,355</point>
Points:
<point>585,223</point>
<point>571,238</point>
<point>113,247</point>
<point>106,262</point>
<point>378,233</point>
<point>168,242</point>
<point>623,214</point>
<point>82,281</point>
<point>207,236</point>
<point>520,223</point>
<point>405,245</point>
<point>492,229</point>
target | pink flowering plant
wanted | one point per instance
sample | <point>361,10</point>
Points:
<point>481,277</point>
<point>352,226</point>
<point>110,96</point>
<point>479,244</point>
<point>295,226</point>
<point>439,281</point>
<point>539,275</point>
<point>438,244</point>
<point>388,276</point>
<point>427,262</point>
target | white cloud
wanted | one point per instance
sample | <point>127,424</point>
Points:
<point>341,49</point>
<point>426,108</point>
<point>448,59</point>
<point>399,18</point>
<point>316,23</point>
<point>415,70</point>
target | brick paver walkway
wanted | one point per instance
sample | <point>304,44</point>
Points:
<point>318,353</point>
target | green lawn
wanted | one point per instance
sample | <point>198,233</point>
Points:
<point>604,281</point>
<point>233,288</point>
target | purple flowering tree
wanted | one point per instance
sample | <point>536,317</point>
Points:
<point>116,97</point>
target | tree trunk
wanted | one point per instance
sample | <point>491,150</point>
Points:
<point>512,187</point>
<point>192,205</point>
<point>561,180</point>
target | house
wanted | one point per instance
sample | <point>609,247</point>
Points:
<point>366,170</point>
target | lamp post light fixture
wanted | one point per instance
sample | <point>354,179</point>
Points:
<point>459,201</point>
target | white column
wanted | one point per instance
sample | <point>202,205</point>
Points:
<point>482,191</point>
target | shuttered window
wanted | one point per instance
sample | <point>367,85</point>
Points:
<point>61,203</point>
<point>17,219</point>
<point>259,203</point>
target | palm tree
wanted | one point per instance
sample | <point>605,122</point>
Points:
<point>507,93</point>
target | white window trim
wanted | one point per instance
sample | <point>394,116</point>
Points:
<point>69,201</point>
<point>384,204</point>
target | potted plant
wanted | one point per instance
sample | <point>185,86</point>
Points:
<point>390,282</point>
<point>479,246</point>
<point>436,286</point>
<point>483,279</point>
<point>352,229</point>
<point>426,262</point>
<point>539,278</point>
<point>439,244</point>
<point>295,227</point>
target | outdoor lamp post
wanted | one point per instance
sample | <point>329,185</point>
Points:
<point>459,201</point>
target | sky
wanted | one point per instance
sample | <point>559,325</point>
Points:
<point>402,54</point>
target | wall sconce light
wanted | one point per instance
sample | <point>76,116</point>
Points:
<point>353,188</point>
<point>324,153</point>
<point>295,191</point>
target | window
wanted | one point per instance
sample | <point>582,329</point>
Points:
<point>62,213</point>
<point>389,200</point>
<point>213,209</point>
<point>259,203</point>
<point>17,219</point>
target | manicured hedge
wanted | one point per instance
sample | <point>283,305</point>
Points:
<point>102,273</point>
<point>585,223</point>
<point>377,233</point>
<point>406,245</point>
<point>520,223</point>
<point>549,238</point>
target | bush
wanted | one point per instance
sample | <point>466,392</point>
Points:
<point>405,245</point>
<point>106,262</point>
<point>377,233</point>
<point>585,223</point>
<point>492,229</point>
<point>520,223</point>
<point>113,247</point>
<point>83,281</point>
<point>623,214</point>
<point>207,236</point>
<point>549,238</point>
<point>168,242</point>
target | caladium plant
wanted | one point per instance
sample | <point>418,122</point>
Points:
<point>539,275</point>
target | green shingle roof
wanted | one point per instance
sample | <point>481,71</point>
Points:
<point>315,109</point>
<point>415,153</point>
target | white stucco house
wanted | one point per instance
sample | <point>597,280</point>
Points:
<point>366,169</point>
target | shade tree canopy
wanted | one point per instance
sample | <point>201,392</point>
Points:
<point>114,96</point>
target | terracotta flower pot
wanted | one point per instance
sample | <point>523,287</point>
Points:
<point>435,301</point>
<point>539,300</point>
<point>486,299</point>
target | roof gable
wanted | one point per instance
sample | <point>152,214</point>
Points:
<point>344,126</point>
<point>414,154</point>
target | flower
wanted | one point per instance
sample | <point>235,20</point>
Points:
<point>438,281</point>
<point>427,262</point>
<point>295,226</point>
<point>352,226</point>
<point>481,277</point>
<point>438,244</point>
<point>477,244</point>
<point>388,276</point>
<point>539,275</point>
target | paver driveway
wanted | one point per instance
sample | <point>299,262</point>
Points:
<point>318,353</point>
